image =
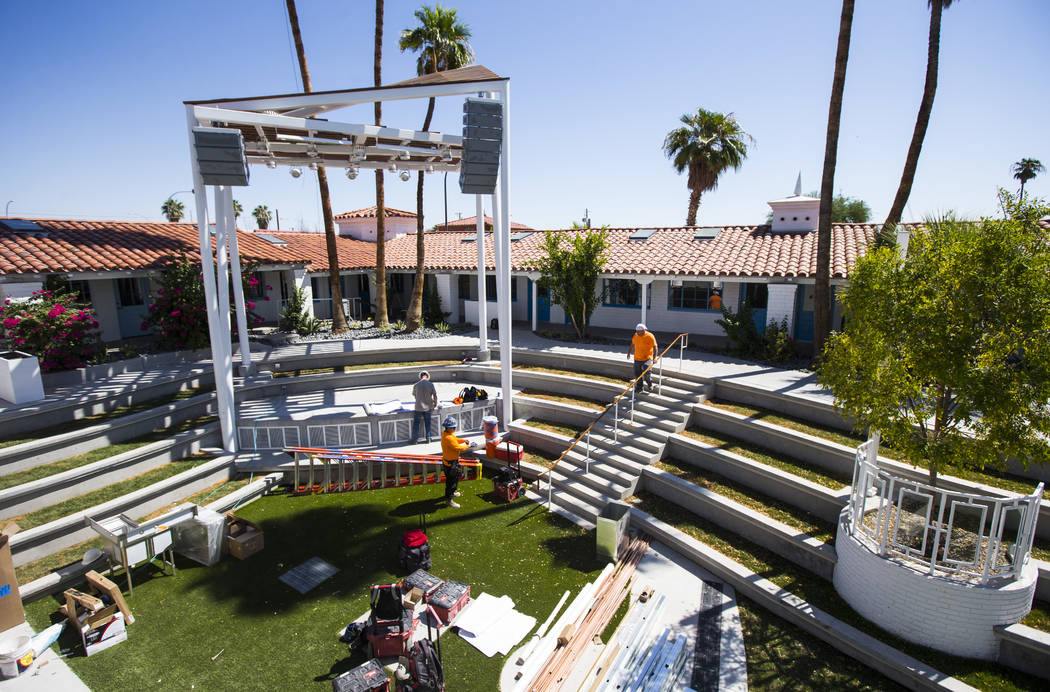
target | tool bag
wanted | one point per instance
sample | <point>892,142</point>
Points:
<point>390,624</point>
<point>425,666</point>
<point>473,394</point>
<point>413,552</point>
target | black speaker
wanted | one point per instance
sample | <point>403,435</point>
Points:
<point>482,139</point>
<point>220,156</point>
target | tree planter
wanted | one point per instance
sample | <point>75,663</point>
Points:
<point>20,381</point>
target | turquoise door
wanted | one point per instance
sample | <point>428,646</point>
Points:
<point>804,313</point>
<point>543,304</point>
<point>131,293</point>
<point>757,296</point>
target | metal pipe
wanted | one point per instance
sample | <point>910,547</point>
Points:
<point>238,289</point>
<point>483,317</point>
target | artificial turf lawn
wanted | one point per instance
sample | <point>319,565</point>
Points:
<point>276,639</point>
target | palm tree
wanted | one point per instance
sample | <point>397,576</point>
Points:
<point>441,41</point>
<point>338,318</point>
<point>922,120</point>
<point>708,145</point>
<point>380,319</point>
<point>237,209</point>
<point>822,289</point>
<point>262,216</point>
<point>173,210</point>
<point>1026,169</point>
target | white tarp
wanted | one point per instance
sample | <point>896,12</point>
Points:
<point>491,625</point>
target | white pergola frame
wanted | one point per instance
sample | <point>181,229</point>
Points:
<point>284,131</point>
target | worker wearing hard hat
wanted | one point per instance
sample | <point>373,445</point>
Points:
<point>451,446</point>
<point>643,348</point>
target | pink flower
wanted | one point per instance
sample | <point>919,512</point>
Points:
<point>251,305</point>
<point>175,313</point>
<point>266,298</point>
<point>252,281</point>
<point>11,322</point>
<point>56,311</point>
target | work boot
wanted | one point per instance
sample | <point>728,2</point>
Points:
<point>453,504</point>
<point>456,494</point>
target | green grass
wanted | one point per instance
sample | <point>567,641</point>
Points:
<point>551,426</point>
<point>1039,618</point>
<point>992,477</point>
<point>780,656</point>
<point>276,639</point>
<point>812,473</point>
<point>109,492</point>
<point>119,412</point>
<point>571,373</point>
<point>781,511</point>
<point>592,404</point>
<point>360,366</point>
<point>539,458</point>
<point>820,593</point>
<point>45,470</point>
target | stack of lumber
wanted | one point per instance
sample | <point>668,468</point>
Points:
<point>550,661</point>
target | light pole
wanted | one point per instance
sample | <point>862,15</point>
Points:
<point>180,192</point>
<point>7,209</point>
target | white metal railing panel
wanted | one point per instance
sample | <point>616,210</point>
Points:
<point>267,437</point>
<point>396,430</point>
<point>947,532</point>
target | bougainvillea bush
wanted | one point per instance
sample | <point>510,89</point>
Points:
<point>53,326</point>
<point>177,312</point>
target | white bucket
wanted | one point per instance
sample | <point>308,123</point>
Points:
<point>15,655</point>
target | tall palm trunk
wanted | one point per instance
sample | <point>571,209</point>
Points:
<point>694,206</point>
<point>381,318</point>
<point>922,120</point>
<point>415,308</point>
<point>338,318</point>
<point>822,290</point>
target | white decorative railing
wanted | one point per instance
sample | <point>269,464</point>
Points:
<point>947,532</point>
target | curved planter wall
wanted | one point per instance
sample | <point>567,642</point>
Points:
<point>945,614</point>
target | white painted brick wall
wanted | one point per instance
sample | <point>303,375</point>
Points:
<point>448,291</point>
<point>781,304</point>
<point>947,615</point>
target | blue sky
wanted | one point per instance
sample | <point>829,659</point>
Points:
<point>93,124</point>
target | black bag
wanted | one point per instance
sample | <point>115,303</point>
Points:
<point>354,635</point>
<point>425,665</point>
<point>413,552</point>
<point>473,394</point>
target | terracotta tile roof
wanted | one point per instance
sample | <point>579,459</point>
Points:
<point>370,213</point>
<point>470,73</point>
<point>746,251</point>
<point>471,222</point>
<point>85,246</point>
<point>311,248</point>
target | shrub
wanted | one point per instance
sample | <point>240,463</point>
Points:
<point>399,326</point>
<point>779,347</point>
<point>744,339</point>
<point>432,312</point>
<point>52,326</point>
<point>442,327</point>
<point>295,318</point>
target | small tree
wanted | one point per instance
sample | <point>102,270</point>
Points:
<point>295,317</point>
<point>172,210</point>
<point>262,216</point>
<point>177,314</point>
<point>947,352</point>
<point>237,209</point>
<point>1026,169</point>
<point>571,272</point>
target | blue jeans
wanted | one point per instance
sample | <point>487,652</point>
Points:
<point>427,418</point>
<point>639,366</point>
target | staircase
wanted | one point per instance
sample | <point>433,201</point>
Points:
<point>582,483</point>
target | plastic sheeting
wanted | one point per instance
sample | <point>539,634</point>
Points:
<point>200,537</point>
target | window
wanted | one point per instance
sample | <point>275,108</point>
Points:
<point>622,292</point>
<point>490,287</point>
<point>467,286</point>
<point>756,295</point>
<point>285,292</point>
<point>82,290</point>
<point>691,295</point>
<point>256,286</point>
<point>129,292</point>
<point>395,283</point>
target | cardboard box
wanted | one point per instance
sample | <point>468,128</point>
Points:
<point>102,630</point>
<point>11,613</point>
<point>243,538</point>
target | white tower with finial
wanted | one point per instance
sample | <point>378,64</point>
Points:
<point>795,214</point>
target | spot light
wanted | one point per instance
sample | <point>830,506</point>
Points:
<point>271,163</point>
<point>392,167</point>
<point>351,173</point>
<point>296,172</point>
<point>405,175</point>
<point>446,155</point>
<point>313,165</point>
<point>430,168</point>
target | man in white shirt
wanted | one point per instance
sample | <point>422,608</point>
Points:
<point>426,401</point>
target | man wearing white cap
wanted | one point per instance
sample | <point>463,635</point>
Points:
<point>643,348</point>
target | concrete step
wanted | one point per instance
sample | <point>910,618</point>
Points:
<point>578,485</point>
<point>669,421</point>
<point>600,467</point>
<point>581,514</point>
<point>668,402</point>
<point>594,483</point>
<point>627,459</point>
<point>638,436</point>
<point>678,389</point>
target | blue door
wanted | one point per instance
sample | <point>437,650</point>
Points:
<point>804,313</point>
<point>757,296</point>
<point>543,304</point>
<point>132,295</point>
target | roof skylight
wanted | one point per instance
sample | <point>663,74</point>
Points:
<point>706,233</point>
<point>272,239</point>
<point>642,234</point>
<point>21,226</point>
<point>521,236</point>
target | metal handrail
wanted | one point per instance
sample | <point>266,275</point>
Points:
<point>615,402</point>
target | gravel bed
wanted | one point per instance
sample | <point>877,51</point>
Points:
<point>366,330</point>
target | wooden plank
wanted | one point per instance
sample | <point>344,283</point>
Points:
<point>103,585</point>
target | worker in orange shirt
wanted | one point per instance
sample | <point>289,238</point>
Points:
<point>715,301</point>
<point>643,348</point>
<point>451,446</point>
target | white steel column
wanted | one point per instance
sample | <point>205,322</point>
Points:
<point>533,278</point>
<point>238,288</point>
<point>222,368</point>
<point>222,267</point>
<point>645,295</point>
<point>483,316</point>
<point>505,337</point>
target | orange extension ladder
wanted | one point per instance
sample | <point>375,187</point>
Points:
<point>346,470</point>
